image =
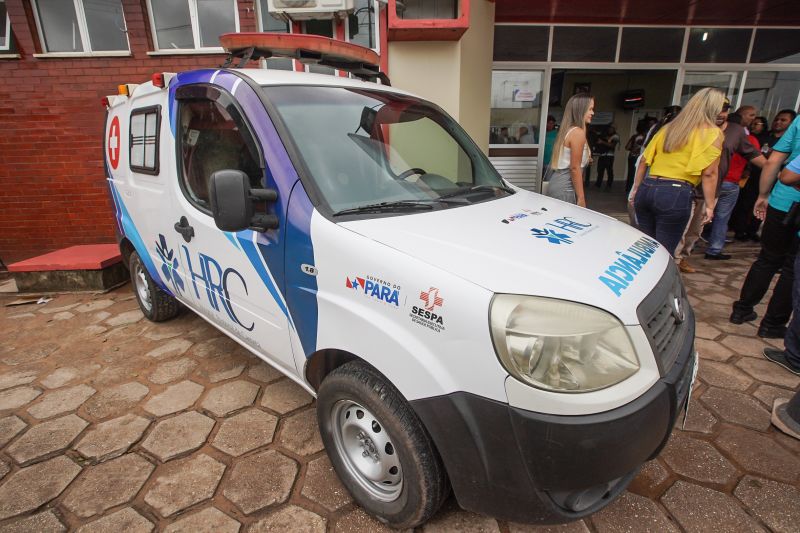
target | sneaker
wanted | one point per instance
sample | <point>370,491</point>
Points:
<point>779,357</point>
<point>775,332</point>
<point>739,318</point>
<point>685,267</point>
<point>718,257</point>
<point>782,420</point>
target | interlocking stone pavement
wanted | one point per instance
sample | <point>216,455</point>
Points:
<point>46,438</point>
<point>113,438</point>
<point>183,483</point>
<point>172,427</point>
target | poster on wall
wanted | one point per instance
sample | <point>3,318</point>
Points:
<point>520,94</point>
<point>602,118</point>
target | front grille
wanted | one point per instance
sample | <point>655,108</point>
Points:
<point>657,315</point>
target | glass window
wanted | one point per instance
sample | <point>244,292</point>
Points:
<point>212,139</point>
<point>770,92</point>
<point>188,24</point>
<point>727,82</point>
<point>5,28</point>
<point>776,46</point>
<point>584,43</point>
<point>516,107</point>
<point>324,28</point>
<point>143,143</point>
<point>365,147</point>
<point>521,43</point>
<point>361,24</point>
<point>215,17</point>
<point>106,25</point>
<point>81,25</point>
<point>427,9</point>
<point>651,45</point>
<point>269,24</point>
<point>173,24</point>
<point>718,45</point>
<point>59,25</point>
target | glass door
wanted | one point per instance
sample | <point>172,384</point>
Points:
<point>727,82</point>
<point>516,124</point>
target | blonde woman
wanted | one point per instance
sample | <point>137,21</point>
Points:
<point>571,151</point>
<point>682,155</point>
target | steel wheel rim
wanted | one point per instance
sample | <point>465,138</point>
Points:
<point>142,289</point>
<point>367,450</point>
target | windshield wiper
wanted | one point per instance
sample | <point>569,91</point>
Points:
<point>400,205</point>
<point>465,191</point>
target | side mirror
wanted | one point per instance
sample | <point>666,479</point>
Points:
<point>232,202</point>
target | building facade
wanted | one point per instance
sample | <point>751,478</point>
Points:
<point>495,66</point>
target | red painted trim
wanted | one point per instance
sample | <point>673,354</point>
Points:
<point>339,33</point>
<point>83,257</point>
<point>383,18</point>
<point>428,29</point>
<point>297,27</point>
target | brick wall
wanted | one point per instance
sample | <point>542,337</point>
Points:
<point>52,185</point>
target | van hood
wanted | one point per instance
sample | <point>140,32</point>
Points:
<point>531,244</point>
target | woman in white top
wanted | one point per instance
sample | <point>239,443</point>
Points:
<point>571,151</point>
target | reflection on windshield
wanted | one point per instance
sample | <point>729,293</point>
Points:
<point>364,148</point>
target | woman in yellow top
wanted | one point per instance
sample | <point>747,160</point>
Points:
<point>682,155</point>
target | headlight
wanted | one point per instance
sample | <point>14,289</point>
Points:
<point>560,346</point>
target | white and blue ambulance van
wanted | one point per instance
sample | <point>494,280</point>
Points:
<point>458,332</point>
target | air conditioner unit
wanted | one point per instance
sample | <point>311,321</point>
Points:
<point>309,9</point>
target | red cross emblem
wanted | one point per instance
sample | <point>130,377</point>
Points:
<point>431,298</point>
<point>114,143</point>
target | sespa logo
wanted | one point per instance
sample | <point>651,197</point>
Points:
<point>621,273</point>
<point>376,288</point>
<point>565,230</point>
<point>424,315</point>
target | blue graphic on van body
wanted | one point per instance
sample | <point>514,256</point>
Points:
<point>301,288</point>
<point>129,230</point>
<point>259,264</point>
<point>623,271</point>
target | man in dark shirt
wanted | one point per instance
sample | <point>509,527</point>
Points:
<point>736,142</point>
<point>743,221</point>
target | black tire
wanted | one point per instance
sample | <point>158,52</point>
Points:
<point>156,305</point>
<point>424,484</point>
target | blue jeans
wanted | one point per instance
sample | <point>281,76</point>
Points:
<point>663,208</point>
<point>728,195</point>
<point>792,338</point>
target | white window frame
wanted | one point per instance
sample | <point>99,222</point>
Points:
<point>6,46</point>
<point>195,22</point>
<point>83,29</point>
<point>377,25</point>
<point>263,62</point>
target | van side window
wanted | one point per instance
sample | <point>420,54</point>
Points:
<point>212,139</point>
<point>143,139</point>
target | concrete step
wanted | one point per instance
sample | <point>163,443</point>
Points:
<point>87,267</point>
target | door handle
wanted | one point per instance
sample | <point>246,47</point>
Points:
<point>183,227</point>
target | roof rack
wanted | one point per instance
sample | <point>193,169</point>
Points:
<point>361,62</point>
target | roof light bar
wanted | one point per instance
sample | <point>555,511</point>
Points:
<point>362,62</point>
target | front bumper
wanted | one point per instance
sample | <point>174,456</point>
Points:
<point>524,466</point>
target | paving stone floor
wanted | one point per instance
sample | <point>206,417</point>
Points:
<point>111,423</point>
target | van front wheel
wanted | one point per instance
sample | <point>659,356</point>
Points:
<point>156,305</point>
<point>379,448</point>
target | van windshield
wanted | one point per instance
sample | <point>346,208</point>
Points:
<point>372,151</point>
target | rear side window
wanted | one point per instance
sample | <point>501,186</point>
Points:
<point>144,136</point>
